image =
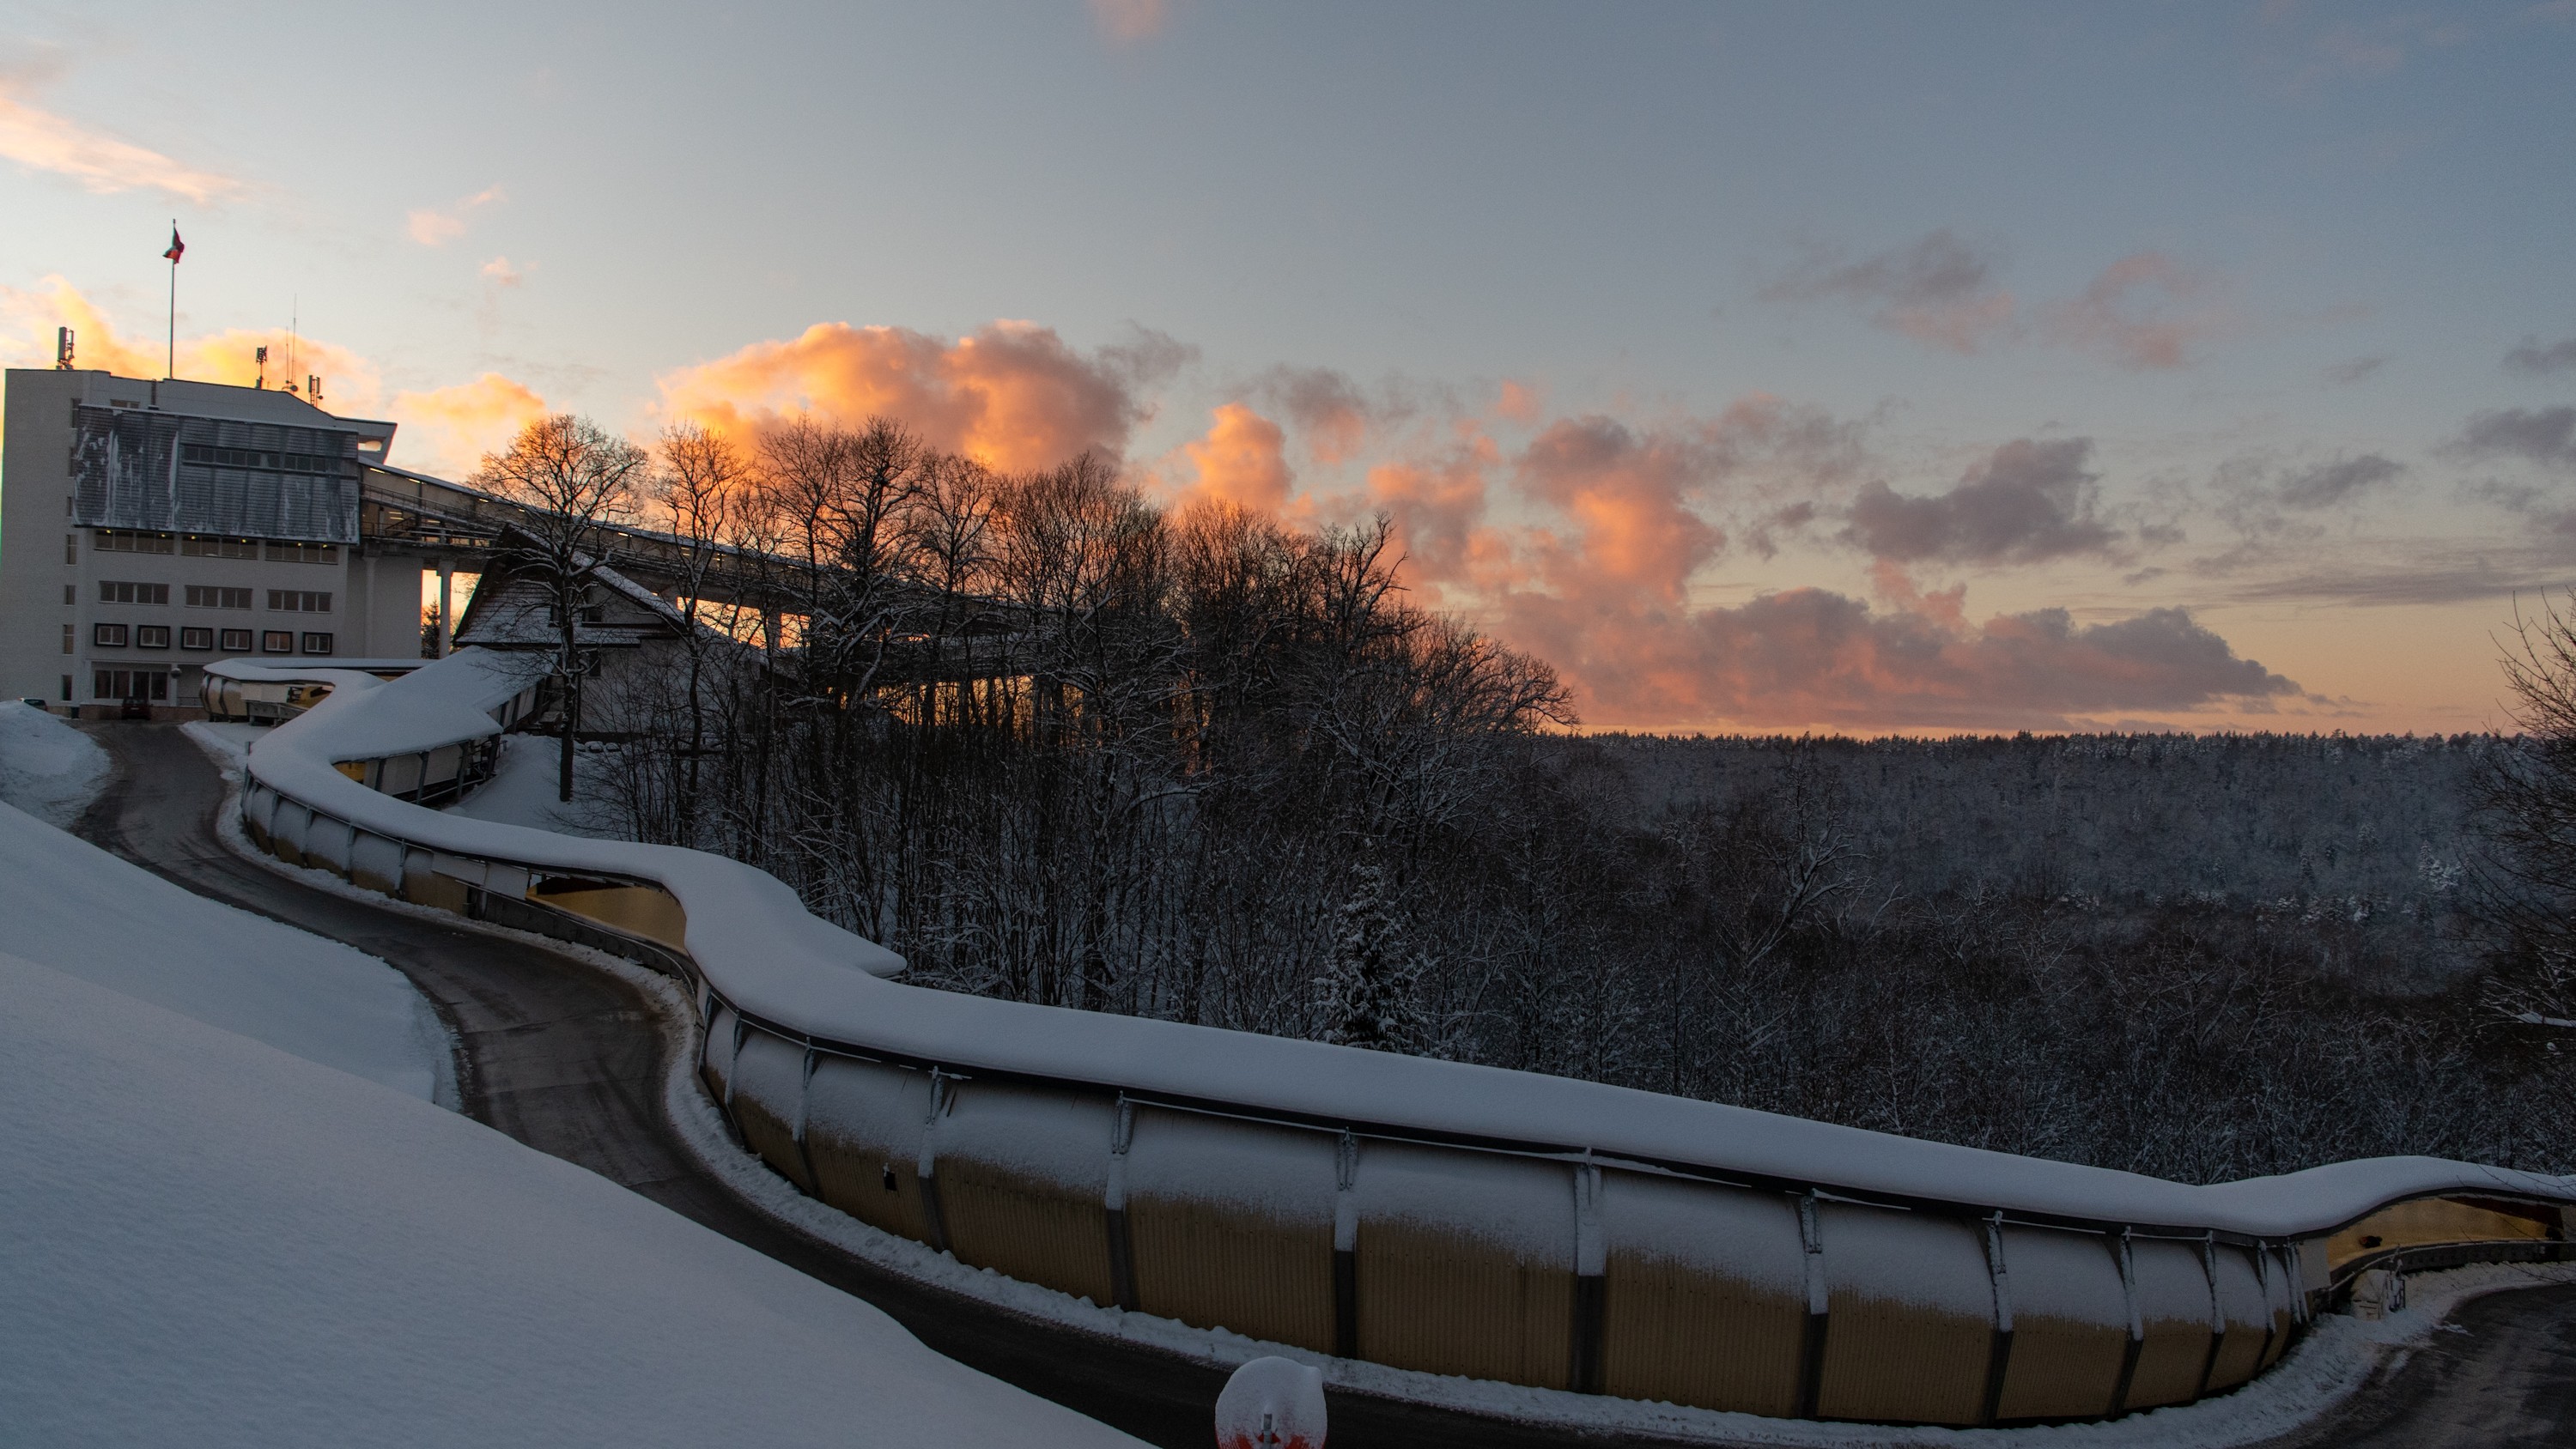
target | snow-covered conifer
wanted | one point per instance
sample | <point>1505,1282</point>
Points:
<point>1371,988</point>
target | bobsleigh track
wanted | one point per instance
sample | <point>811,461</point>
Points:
<point>573,1061</point>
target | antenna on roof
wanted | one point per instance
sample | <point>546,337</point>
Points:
<point>62,349</point>
<point>313,388</point>
<point>292,317</point>
<point>261,357</point>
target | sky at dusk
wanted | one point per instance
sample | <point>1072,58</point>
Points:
<point>1849,367</point>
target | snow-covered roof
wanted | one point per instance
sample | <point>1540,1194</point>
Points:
<point>760,948</point>
<point>252,670</point>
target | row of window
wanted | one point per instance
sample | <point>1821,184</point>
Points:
<point>125,684</point>
<point>237,641</point>
<point>200,545</point>
<point>108,540</point>
<point>211,596</point>
<point>257,458</point>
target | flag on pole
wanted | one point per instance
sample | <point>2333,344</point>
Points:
<point>177,247</point>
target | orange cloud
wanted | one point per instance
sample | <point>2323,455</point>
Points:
<point>1625,495</point>
<point>1012,395</point>
<point>447,431</point>
<point>444,430</point>
<point>230,356</point>
<point>42,141</point>
<point>1129,21</point>
<point>1242,460</point>
<point>432,227</point>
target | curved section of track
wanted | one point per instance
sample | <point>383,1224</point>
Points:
<point>561,1056</point>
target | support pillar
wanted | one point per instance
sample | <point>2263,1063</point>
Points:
<point>446,606</point>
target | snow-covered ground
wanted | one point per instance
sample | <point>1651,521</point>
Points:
<point>522,791</point>
<point>215,1243</point>
<point>70,905</point>
<point>47,768</point>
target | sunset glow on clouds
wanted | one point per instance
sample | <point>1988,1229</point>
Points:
<point>42,141</point>
<point>1012,395</point>
<point>444,431</point>
<point>1587,540</point>
<point>2034,367</point>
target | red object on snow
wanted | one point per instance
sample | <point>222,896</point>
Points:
<point>177,247</point>
<point>1271,1403</point>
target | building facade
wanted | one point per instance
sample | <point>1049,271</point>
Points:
<point>147,528</point>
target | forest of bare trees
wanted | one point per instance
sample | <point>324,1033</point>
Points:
<point>1055,743</point>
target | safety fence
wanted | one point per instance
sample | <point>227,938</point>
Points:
<point>1352,1204</point>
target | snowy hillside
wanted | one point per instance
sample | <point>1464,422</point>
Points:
<point>214,1243</point>
<point>73,906</point>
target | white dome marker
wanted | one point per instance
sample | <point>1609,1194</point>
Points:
<point>1271,1403</point>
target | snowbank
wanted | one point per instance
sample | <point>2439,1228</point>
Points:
<point>81,910</point>
<point>73,906</point>
<point>760,949</point>
<point>214,1243</point>
<point>522,791</point>
<point>47,768</point>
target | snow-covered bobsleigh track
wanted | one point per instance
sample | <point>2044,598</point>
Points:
<point>1425,1215</point>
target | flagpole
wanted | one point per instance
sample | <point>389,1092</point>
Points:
<point>171,363</point>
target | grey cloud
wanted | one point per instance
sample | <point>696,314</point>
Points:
<point>2348,373</point>
<point>2029,502</point>
<point>1814,656</point>
<point>1935,290</point>
<point>2531,357</point>
<point>2337,482</point>
<point>1147,356</point>
<point>2545,436</point>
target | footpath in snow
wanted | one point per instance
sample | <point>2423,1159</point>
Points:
<point>72,906</point>
<point>215,1243</point>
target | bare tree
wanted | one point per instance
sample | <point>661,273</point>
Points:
<point>575,481</point>
<point>698,493</point>
<point>2527,887</point>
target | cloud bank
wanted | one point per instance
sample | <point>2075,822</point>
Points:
<point>1011,395</point>
<point>42,141</point>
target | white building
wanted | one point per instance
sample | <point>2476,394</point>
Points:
<point>148,527</point>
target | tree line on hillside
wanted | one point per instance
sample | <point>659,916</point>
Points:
<point>1055,743</point>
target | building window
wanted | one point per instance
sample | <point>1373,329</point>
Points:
<point>67,638</point>
<point>318,553</point>
<point>111,541</point>
<point>317,643</point>
<point>109,636</point>
<point>67,689</point>
<point>200,546</point>
<point>210,596</point>
<point>196,639</point>
<point>71,595</point>
<point>152,636</point>
<point>237,640</point>
<point>277,641</point>
<point>130,684</point>
<point>71,548</point>
<point>212,456</point>
<point>114,592</point>
<point>299,601</point>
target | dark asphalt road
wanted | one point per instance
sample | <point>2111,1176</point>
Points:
<point>2501,1374</point>
<point>563,1057</point>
